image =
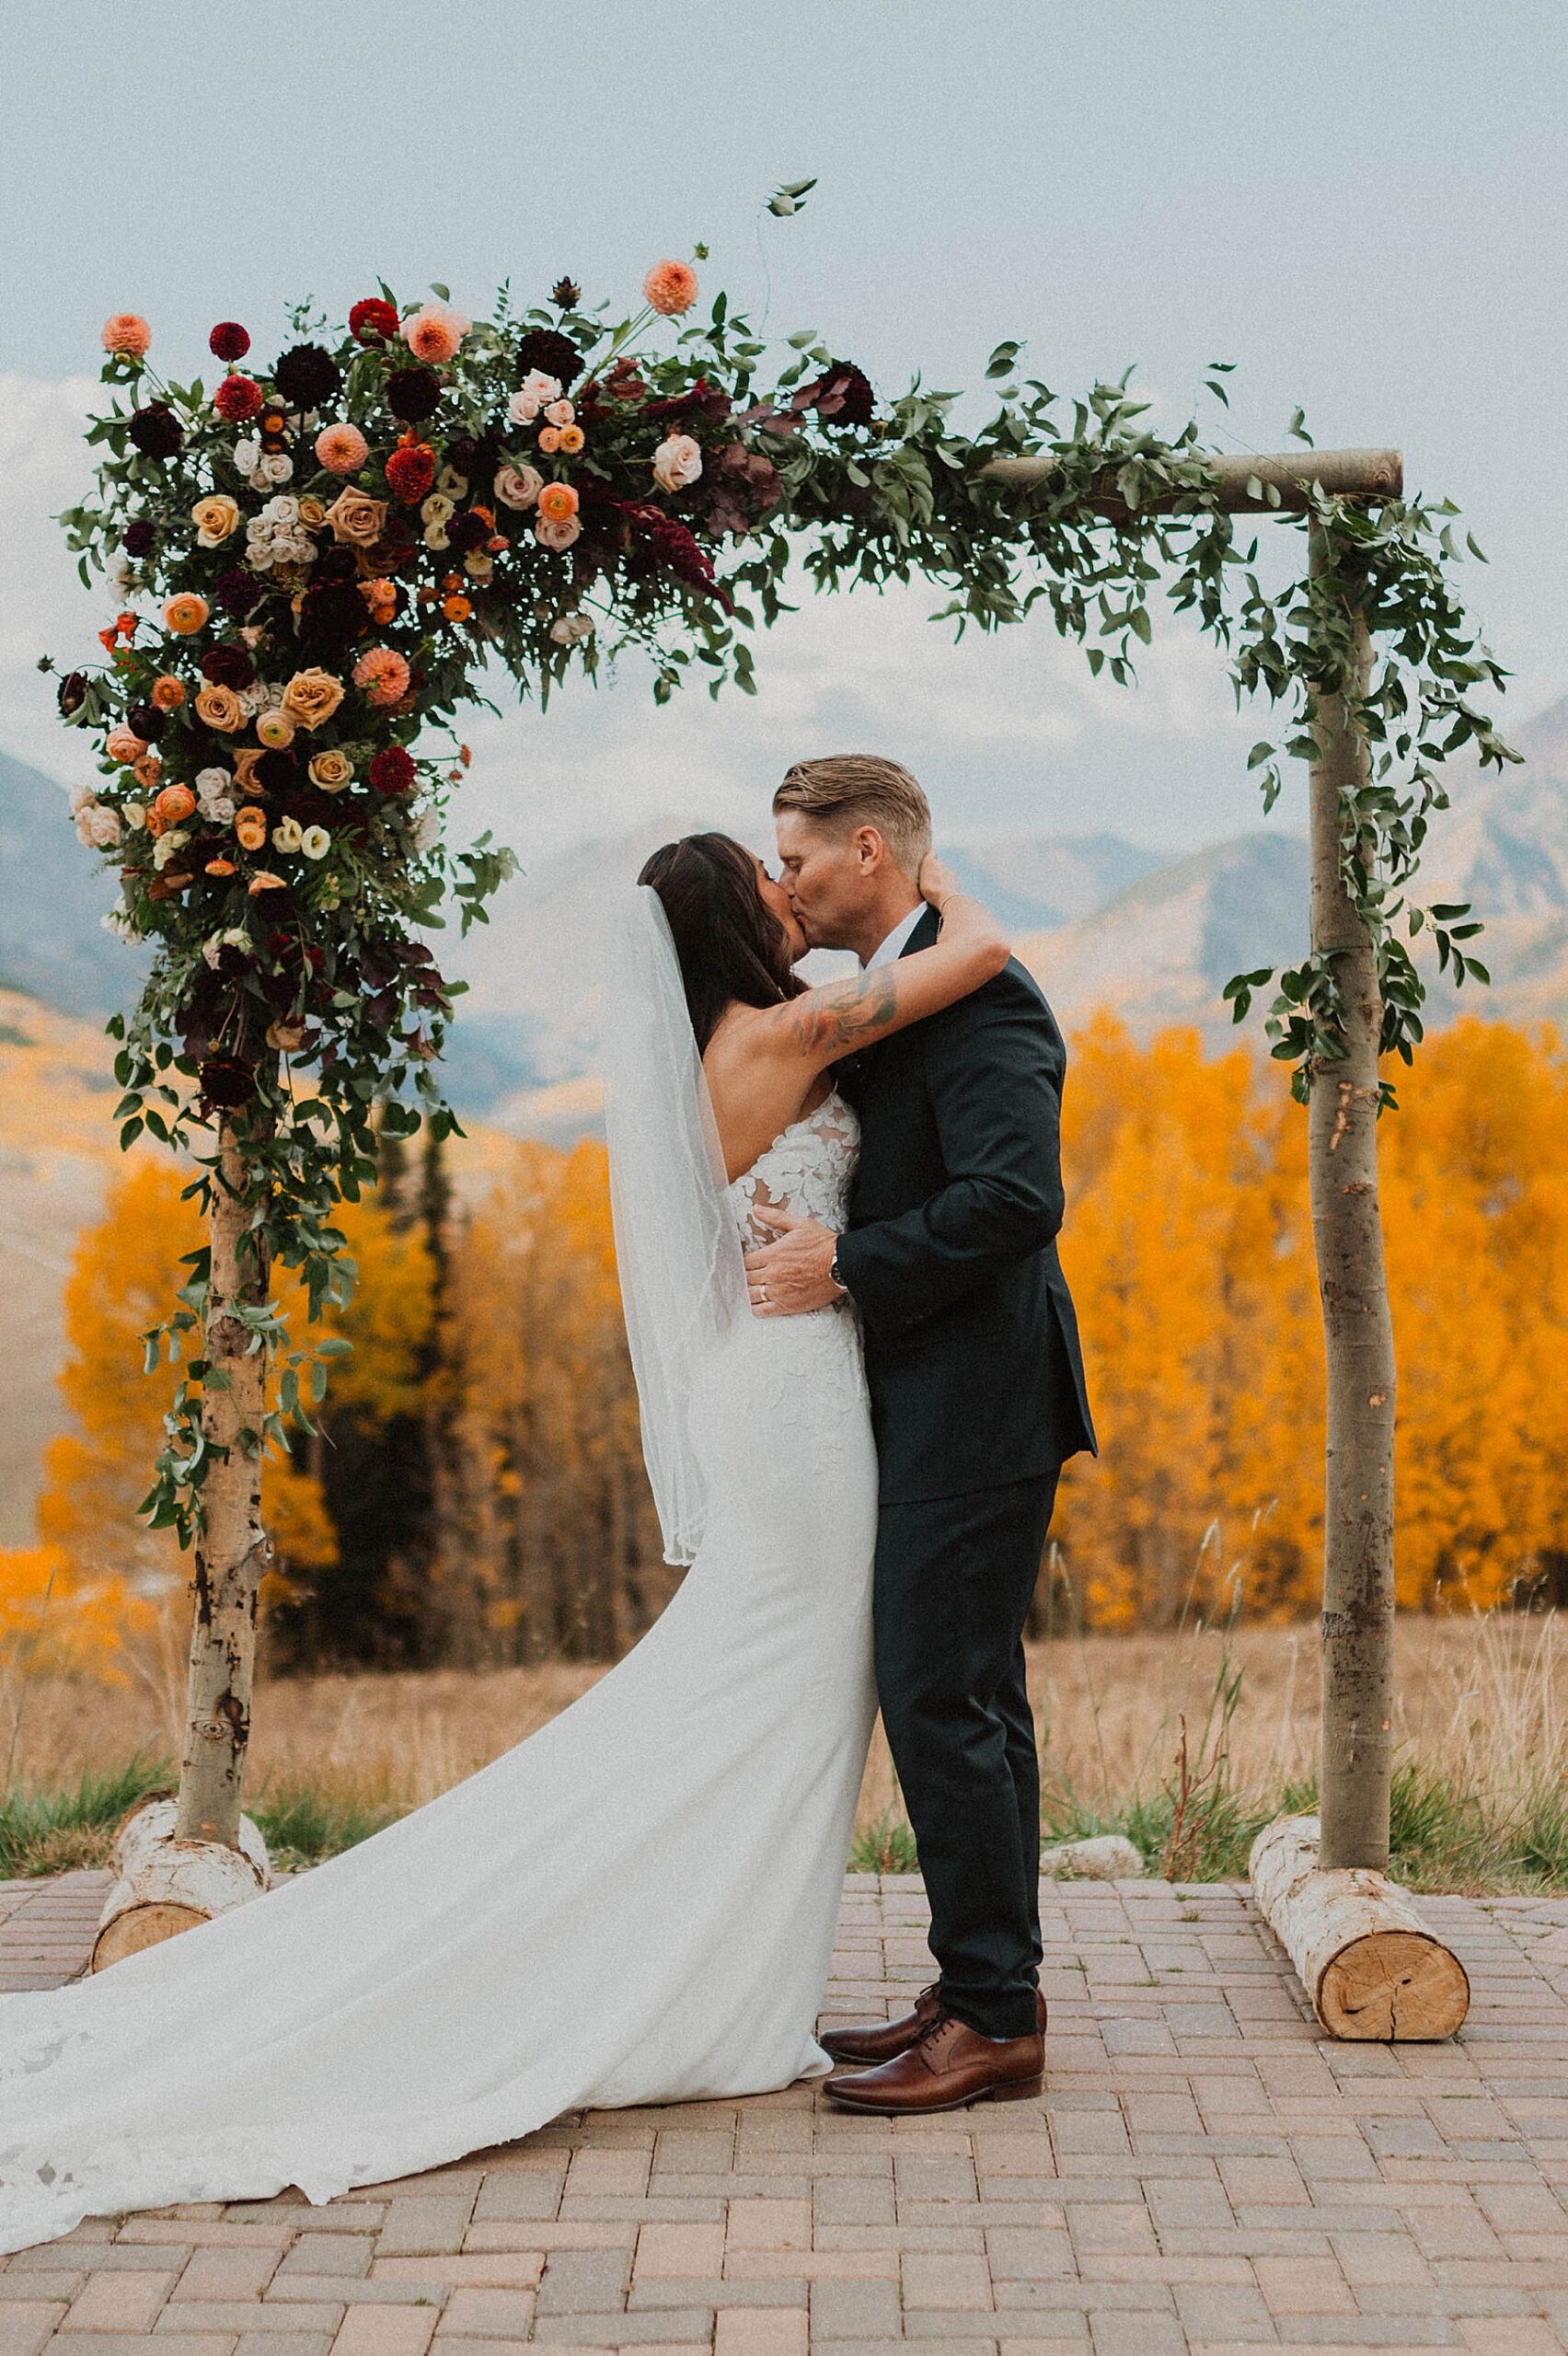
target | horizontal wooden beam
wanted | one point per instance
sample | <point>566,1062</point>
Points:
<point>1356,474</point>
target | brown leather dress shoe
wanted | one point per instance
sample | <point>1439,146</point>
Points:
<point>950,2064</point>
<point>886,2040</point>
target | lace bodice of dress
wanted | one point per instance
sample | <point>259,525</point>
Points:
<point>807,1168</point>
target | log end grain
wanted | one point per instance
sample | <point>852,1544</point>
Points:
<point>1394,1985</point>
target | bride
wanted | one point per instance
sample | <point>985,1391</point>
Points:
<point>637,1904</point>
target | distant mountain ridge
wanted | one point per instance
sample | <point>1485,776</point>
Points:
<point>1102,923</point>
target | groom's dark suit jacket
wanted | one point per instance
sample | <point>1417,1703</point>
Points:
<point>950,1251</point>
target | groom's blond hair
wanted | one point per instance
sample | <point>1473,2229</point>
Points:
<point>862,789</point>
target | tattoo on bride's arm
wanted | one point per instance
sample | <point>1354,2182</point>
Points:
<point>840,1020</point>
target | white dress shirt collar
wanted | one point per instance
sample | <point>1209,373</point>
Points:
<point>894,945</point>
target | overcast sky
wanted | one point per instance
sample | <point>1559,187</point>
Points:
<point>1366,207</point>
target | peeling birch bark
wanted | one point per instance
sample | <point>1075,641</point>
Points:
<point>1371,1969</point>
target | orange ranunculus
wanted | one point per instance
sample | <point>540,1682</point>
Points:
<point>123,744</point>
<point>157,824</point>
<point>558,502</point>
<point>550,440</point>
<point>220,867</point>
<point>186,613</point>
<point>457,609</point>
<point>381,598</point>
<point>168,693</point>
<point>176,802</point>
<point>275,729</point>
<point>265,882</point>
<point>571,440</point>
<point>250,825</point>
<point>220,708</point>
<point>148,769</point>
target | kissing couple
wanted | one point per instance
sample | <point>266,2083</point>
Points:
<point>835,1215</point>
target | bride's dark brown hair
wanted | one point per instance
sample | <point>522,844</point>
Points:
<point>730,943</point>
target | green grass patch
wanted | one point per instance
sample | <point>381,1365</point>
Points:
<point>55,1832</point>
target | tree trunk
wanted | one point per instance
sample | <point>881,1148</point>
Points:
<point>1358,1499</point>
<point>233,1550</point>
<point>1370,1967</point>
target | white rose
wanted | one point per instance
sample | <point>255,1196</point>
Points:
<point>82,798</point>
<point>518,486</point>
<point>286,835</point>
<point>209,949</point>
<point>560,414</point>
<point>434,538</point>
<point>210,781</point>
<point>166,844</point>
<point>259,479</point>
<point>537,387</point>
<point>571,630</point>
<point>557,535</point>
<point>315,842</point>
<point>260,557</point>
<point>134,815</point>
<point>438,508</point>
<point>478,565</point>
<point>522,408</point>
<point>284,507</point>
<point>277,466</point>
<point>247,455</point>
<point>426,829</point>
<point>678,462</point>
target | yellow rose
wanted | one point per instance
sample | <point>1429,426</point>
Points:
<point>312,513</point>
<point>220,708</point>
<point>355,517</point>
<point>312,697</point>
<point>331,771</point>
<point>215,518</point>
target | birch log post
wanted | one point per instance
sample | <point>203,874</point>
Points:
<point>231,1554</point>
<point>1359,1341</point>
<point>163,1884</point>
<point>1372,1969</point>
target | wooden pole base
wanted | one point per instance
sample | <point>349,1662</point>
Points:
<point>163,1885</point>
<point>1371,1969</point>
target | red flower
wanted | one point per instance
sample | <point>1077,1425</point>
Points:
<point>229,340</point>
<point>373,321</point>
<point>237,398</point>
<point>410,470</point>
<point>392,771</point>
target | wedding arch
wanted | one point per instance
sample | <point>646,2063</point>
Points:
<point>320,562</point>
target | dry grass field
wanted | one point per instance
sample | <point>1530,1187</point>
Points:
<point>1482,1722</point>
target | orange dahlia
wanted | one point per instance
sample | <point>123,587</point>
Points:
<point>671,287</point>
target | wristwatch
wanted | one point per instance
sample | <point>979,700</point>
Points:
<point>834,1274</point>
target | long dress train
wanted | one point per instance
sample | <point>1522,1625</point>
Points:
<point>636,1904</point>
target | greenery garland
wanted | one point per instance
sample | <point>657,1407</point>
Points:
<point>346,548</point>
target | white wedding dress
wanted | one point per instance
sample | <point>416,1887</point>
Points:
<point>635,1905</point>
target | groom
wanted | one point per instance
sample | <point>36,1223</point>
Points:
<point>977,1399</point>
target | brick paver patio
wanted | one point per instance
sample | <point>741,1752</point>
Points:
<point>1203,2176</point>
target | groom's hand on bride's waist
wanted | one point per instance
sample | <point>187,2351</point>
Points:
<point>793,1275</point>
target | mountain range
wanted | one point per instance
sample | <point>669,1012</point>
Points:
<point>1101,922</point>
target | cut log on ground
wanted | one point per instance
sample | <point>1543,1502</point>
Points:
<point>163,1885</point>
<point>1370,1967</point>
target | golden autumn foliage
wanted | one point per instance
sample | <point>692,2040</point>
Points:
<point>1188,1246</point>
<point>478,1496</point>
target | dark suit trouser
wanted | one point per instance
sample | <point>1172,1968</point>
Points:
<point>953,1585</point>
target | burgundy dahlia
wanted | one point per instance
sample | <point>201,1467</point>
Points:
<point>842,397</point>
<point>332,614</point>
<point>550,351</point>
<point>410,470</point>
<point>237,398</point>
<point>468,531</point>
<point>140,537</point>
<point>226,1083</point>
<point>148,721</point>
<point>229,340</point>
<point>156,430</point>
<point>71,694</point>
<point>392,771</point>
<point>275,771</point>
<point>373,321</point>
<point>228,665</point>
<point>306,376</point>
<point>236,589</point>
<point>412,394</point>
